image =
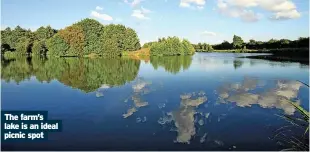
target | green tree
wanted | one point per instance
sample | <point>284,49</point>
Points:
<point>24,45</point>
<point>237,42</point>
<point>39,47</point>
<point>57,46</point>
<point>172,46</point>
<point>92,31</point>
<point>43,33</point>
<point>131,41</point>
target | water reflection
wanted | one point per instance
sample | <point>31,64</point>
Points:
<point>172,64</point>
<point>183,117</point>
<point>140,87</point>
<point>157,101</point>
<point>81,73</point>
<point>278,96</point>
<point>238,64</point>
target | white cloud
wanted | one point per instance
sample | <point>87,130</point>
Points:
<point>237,12</point>
<point>280,9</point>
<point>285,15</point>
<point>192,3</point>
<point>208,33</point>
<point>141,13</point>
<point>99,8</point>
<point>133,3</point>
<point>105,17</point>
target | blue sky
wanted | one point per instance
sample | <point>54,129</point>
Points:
<point>210,21</point>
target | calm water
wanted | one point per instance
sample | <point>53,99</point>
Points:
<point>209,101</point>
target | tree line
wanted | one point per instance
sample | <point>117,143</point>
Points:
<point>238,43</point>
<point>85,37</point>
<point>170,46</point>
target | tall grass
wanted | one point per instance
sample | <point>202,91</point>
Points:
<point>297,140</point>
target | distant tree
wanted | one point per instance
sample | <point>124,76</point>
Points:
<point>237,42</point>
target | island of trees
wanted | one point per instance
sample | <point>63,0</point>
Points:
<point>170,46</point>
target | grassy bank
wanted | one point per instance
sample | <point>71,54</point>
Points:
<point>142,54</point>
<point>280,51</point>
<point>239,51</point>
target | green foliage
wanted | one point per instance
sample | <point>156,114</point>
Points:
<point>237,42</point>
<point>272,44</point>
<point>124,38</point>
<point>24,45</point>
<point>11,55</point>
<point>39,47</point>
<point>92,30</point>
<point>171,46</point>
<point>82,38</point>
<point>57,46</point>
<point>18,39</point>
<point>90,37</point>
<point>203,47</point>
<point>148,45</point>
<point>44,33</point>
<point>74,36</point>
<point>131,42</point>
<point>187,47</point>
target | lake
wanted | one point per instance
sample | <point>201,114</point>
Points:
<point>209,101</point>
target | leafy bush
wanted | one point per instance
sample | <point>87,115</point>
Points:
<point>39,47</point>
<point>171,46</point>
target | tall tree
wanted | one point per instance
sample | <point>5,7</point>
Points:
<point>237,42</point>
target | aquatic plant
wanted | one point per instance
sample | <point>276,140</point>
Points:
<point>299,139</point>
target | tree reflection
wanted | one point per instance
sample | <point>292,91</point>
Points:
<point>83,73</point>
<point>172,64</point>
<point>238,64</point>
